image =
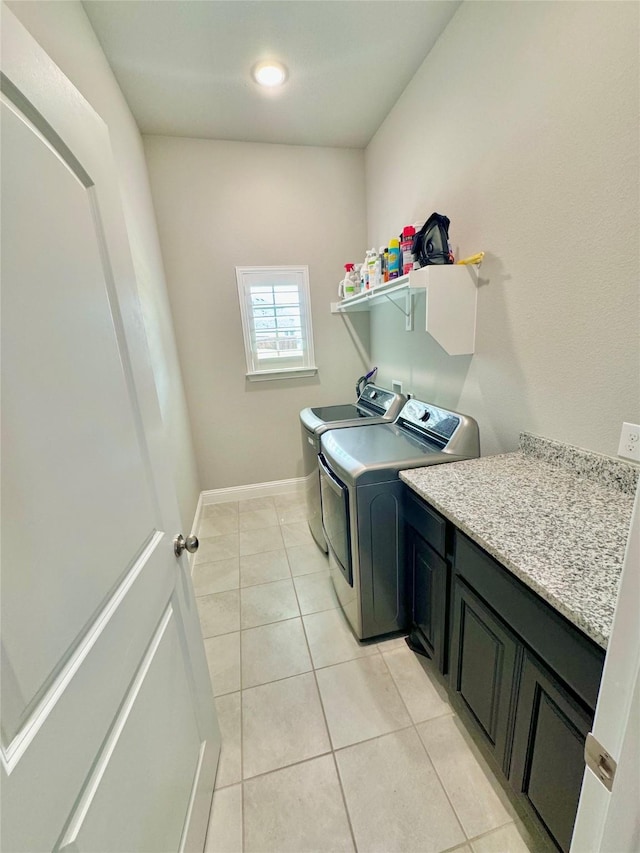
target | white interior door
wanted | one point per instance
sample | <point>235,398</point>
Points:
<point>108,740</point>
<point>609,822</point>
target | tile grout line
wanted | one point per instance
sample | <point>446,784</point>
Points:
<point>320,754</point>
<point>273,621</point>
<point>286,577</point>
<point>266,583</point>
<point>333,750</point>
<point>332,747</point>
<point>326,724</point>
<point>491,831</point>
<point>442,785</point>
<point>286,619</point>
<point>397,686</point>
<point>241,733</point>
<point>259,583</point>
<point>328,752</point>
<point>264,624</point>
<point>242,689</point>
<point>439,778</point>
<point>480,761</point>
<point>239,632</point>
<point>414,726</point>
<point>264,773</point>
<point>349,746</point>
<point>372,738</point>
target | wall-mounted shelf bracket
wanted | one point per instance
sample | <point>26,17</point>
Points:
<point>408,314</point>
<point>407,311</point>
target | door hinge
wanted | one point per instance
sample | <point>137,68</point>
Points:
<point>599,761</point>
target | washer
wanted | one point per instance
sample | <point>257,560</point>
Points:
<point>375,405</point>
<point>362,515</point>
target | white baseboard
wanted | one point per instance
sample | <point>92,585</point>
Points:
<point>296,485</point>
<point>194,528</point>
<point>256,490</point>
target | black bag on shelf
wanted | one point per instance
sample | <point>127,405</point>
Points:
<point>431,243</point>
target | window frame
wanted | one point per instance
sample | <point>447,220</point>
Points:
<point>246,278</point>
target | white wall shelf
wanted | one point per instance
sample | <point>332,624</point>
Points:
<point>451,295</point>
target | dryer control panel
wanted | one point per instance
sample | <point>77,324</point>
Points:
<point>429,419</point>
<point>377,399</point>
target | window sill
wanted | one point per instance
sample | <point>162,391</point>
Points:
<point>283,373</point>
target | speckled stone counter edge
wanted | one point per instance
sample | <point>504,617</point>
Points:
<point>605,473</point>
<point>605,469</point>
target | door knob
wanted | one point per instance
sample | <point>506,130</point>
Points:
<point>181,544</point>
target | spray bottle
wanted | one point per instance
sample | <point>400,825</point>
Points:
<point>347,285</point>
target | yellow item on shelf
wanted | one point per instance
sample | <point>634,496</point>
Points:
<point>473,259</point>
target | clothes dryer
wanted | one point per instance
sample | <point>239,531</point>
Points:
<point>361,499</point>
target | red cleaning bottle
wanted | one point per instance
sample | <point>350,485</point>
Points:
<point>406,255</point>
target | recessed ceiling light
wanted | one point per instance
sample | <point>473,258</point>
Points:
<point>269,73</point>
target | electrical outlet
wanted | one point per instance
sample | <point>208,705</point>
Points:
<point>396,386</point>
<point>629,446</point>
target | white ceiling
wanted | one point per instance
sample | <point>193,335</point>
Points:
<point>184,65</point>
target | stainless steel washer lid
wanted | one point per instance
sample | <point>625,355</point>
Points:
<point>324,416</point>
<point>375,405</point>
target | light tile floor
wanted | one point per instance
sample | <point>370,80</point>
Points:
<point>327,744</point>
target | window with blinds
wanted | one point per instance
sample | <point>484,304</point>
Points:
<point>276,321</point>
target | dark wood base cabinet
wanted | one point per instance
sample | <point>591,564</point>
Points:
<point>428,574</point>
<point>484,659</point>
<point>429,580</point>
<point>547,761</point>
<point>521,674</point>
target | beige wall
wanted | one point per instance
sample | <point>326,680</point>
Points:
<point>522,127</point>
<point>225,204</point>
<point>64,31</point>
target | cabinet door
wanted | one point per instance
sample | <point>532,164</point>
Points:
<point>484,655</point>
<point>429,598</point>
<point>547,762</point>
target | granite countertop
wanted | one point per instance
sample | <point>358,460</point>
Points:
<point>556,516</point>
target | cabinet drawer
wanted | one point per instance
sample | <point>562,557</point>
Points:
<point>426,521</point>
<point>547,762</point>
<point>484,660</point>
<point>564,648</point>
